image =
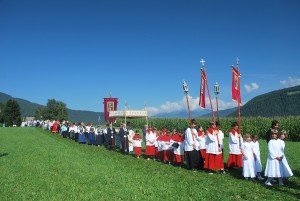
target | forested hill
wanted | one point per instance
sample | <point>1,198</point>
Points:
<point>28,108</point>
<point>284,102</point>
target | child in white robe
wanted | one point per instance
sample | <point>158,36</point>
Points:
<point>248,158</point>
<point>277,165</point>
<point>257,163</point>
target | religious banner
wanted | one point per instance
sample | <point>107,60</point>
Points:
<point>202,89</point>
<point>236,86</point>
<point>110,104</point>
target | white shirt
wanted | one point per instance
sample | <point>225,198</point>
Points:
<point>235,143</point>
<point>190,139</point>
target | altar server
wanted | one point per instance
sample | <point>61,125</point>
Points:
<point>214,159</point>
<point>166,147</point>
<point>150,148</point>
<point>202,142</point>
<point>192,146</point>
<point>178,145</point>
<point>137,144</point>
<point>235,154</point>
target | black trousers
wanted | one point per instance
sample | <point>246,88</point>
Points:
<point>194,159</point>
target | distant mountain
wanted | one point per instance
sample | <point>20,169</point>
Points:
<point>28,108</point>
<point>222,113</point>
<point>284,102</point>
<point>182,114</point>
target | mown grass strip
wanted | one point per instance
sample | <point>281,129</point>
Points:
<point>39,165</point>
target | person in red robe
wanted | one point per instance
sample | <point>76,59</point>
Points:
<point>150,146</point>
<point>214,159</point>
<point>166,148</point>
<point>235,142</point>
<point>54,127</point>
<point>177,144</point>
<point>137,144</point>
<point>159,150</point>
<point>202,142</point>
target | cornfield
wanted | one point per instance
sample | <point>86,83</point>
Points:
<point>251,125</point>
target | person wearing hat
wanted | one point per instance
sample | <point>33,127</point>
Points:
<point>192,146</point>
<point>235,141</point>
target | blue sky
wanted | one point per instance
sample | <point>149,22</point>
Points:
<point>141,51</point>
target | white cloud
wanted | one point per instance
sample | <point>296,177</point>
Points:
<point>290,82</point>
<point>251,87</point>
<point>193,102</point>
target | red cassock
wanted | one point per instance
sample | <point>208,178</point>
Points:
<point>214,159</point>
<point>150,148</point>
<point>178,138</point>
<point>235,160</point>
<point>167,153</point>
<point>202,150</point>
<point>159,154</point>
<point>137,149</point>
<point>54,127</point>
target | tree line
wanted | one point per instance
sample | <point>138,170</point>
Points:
<point>10,112</point>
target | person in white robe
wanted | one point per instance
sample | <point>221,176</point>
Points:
<point>277,165</point>
<point>257,163</point>
<point>248,158</point>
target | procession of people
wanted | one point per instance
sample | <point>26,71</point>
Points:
<point>194,149</point>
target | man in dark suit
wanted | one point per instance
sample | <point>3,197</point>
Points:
<point>124,138</point>
<point>111,137</point>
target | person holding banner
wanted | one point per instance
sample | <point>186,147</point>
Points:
<point>192,146</point>
<point>214,159</point>
<point>235,141</point>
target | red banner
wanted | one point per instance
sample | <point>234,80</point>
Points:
<point>202,89</point>
<point>236,85</point>
<point>110,104</point>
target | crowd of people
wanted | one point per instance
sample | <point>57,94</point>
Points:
<point>195,149</point>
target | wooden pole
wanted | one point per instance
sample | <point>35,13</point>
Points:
<point>189,112</point>
<point>218,115</point>
<point>211,106</point>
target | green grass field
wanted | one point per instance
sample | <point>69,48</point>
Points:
<point>39,165</point>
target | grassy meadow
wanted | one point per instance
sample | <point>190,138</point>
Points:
<point>38,165</point>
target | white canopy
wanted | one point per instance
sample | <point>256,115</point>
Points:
<point>128,113</point>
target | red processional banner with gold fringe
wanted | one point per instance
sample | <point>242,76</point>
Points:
<point>236,86</point>
<point>202,89</point>
<point>110,104</point>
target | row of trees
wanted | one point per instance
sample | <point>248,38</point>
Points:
<point>10,113</point>
<point>55,110</point>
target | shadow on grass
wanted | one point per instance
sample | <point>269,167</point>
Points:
<point>238,172</point>
<point>3,154</point>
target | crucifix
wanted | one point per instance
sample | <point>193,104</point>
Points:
<point>203,62</point>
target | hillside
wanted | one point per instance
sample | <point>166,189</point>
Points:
<point>222,113</point>
<point>28,108</point>
<point>284,102</point>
